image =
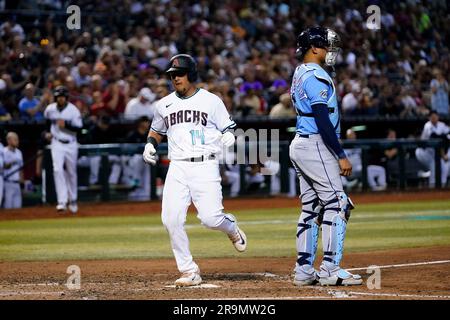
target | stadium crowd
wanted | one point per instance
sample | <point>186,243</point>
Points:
<point>245,52</point>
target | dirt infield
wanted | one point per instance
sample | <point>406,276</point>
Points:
<point>252,278</point>
<point>424,272</point>
<point>143,208</point>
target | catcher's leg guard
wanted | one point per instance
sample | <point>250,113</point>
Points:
<point>308,234</point>
<point>336,216</point>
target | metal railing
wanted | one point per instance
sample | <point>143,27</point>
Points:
<point>366,145</point>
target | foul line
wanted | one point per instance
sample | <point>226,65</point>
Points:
<point>401,265</point>
<point>397,295</point>
<point>30,293</point>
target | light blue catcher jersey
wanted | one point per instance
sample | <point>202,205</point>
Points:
<point>311,85</point>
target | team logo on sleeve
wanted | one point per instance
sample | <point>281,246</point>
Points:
<point>324,94</point>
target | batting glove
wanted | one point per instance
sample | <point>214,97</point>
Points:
<point>149,154</point>
<point>228,139</point>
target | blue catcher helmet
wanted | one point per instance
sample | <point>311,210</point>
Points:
<point>319,37</point>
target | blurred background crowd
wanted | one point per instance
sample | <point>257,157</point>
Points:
<point>244,50</point>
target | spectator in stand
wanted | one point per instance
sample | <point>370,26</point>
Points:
<point>30,107</point>
<point>4,114</point>
<point>283,109</point>
<point>439,93</point>
<point>141,106</point>
<point>278,87</point>
<point>350,102</point>
<point>367,106</point>
<point>115,99</point>
<point>81,74</point>
<point>250,101</point>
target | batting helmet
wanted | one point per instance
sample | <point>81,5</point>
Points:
<point>61,91</point>
<point>183,62</point>
<point>319,37</point>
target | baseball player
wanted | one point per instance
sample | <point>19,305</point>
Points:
<point>435,129</point>
<point>319,161</point>
<point>65,122</point>
<point>1,173</point>
<point>12,162</point>
<point>196,123</point>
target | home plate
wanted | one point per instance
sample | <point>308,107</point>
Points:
<point>201,286</point>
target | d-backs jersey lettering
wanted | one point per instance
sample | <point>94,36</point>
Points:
<point>193,125</point>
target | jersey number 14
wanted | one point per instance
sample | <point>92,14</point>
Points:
<point>197,134</point>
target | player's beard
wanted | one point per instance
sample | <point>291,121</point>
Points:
<point>182,91</point>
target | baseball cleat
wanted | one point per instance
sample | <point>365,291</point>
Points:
<point>239,240</point>
<point>73,207</point>
<point>301,280</point>
<point>189,279</point>
<point>61,208</point>
<point>340,278</point>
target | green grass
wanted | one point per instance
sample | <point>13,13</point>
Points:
<point>271,232</point>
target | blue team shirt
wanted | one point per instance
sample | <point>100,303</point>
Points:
<point>311,85</point>
<point>26,104</point>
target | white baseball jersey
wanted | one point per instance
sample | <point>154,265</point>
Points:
<point>193,125</point>
<point>13,157</point>
<point>136,109</point>
<point>69,113</point>
<point>1,174</point>
<point>440,129</point>
<point>1,159</point>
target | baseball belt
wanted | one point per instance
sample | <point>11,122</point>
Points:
<point>200,159</point>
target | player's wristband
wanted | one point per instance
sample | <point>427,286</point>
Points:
<point>152,141</point>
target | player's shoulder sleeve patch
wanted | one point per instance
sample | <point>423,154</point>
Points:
<point>323,93</point>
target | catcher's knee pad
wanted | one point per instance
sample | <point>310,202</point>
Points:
<point>308,232</point>
<point>346,205</point>
<point>341,204</point>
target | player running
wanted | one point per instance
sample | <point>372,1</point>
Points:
<point>196,123</point>
<point>319,160</point>
<point>65,122</point>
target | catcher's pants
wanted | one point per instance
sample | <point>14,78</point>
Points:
<point>64,157</point>
<point>13,195</point>
<point>321,194</point>
<point>200,183</point>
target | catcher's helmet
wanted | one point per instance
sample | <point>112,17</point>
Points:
<point>61,91</point>
<point>183,62</point>
<point>319,37</point>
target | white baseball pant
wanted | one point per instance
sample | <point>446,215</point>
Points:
<point>13,195</point>
<point>198,182</point>
<point>426,157</point>
<point>64,158</point>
